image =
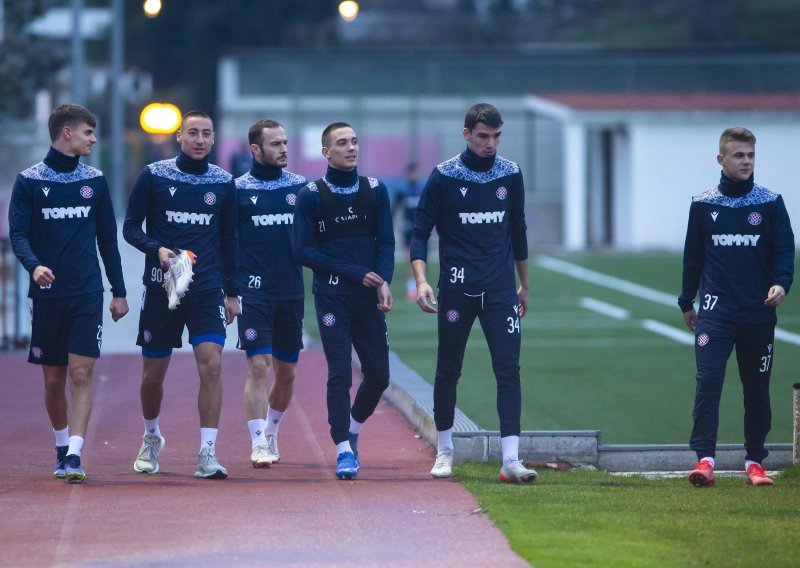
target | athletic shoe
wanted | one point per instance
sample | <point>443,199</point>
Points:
<point>272,448</point>
<point>444,464</point>
<point>515,472</point>
<point>346,466</point>
<point>178,277</point>
<point>146,461</point>
<point>260,456</point>
<point>702,475</point>
<point>73,471</point>
<point>353,439</point>
<point>757,476</point>
<point>207,465</point>
<point>61,455</point>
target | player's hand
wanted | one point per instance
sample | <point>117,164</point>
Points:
<point>231,309</point>
<point>425,298</point>
<point>372,280</point>
<point>118,308</point>
<point>43,276</point>
<point>385,300</point>
<point>522,301</point>
<point>690,319</point>
<point>164,254</point>
<point>775,296</point>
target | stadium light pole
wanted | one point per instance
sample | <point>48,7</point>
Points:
<point>117,106</point>
<point>78,55</point>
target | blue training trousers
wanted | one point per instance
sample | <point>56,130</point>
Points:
<point>497,313</point>
<point>714,342</point>
<point>347,322</point>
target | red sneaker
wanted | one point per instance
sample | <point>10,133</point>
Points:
<point>756,476</point>
<point>702,475</point>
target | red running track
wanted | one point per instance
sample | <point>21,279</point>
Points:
<point>295,513</point>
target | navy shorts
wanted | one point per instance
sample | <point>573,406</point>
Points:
<point>60,326</point>
<point>271,327</point>
<point>160,328</point>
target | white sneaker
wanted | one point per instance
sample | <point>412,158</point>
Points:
<point>515,472</point>
<point>208,466</point>
<point>444,464</point>
<point>146,461</point>
<point>260,457</point>
<point>178,277</point>
<point>272,448</point>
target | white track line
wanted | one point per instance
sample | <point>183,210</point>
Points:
<point>633,289</point>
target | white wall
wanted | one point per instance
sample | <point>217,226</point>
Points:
<point>673,160</point>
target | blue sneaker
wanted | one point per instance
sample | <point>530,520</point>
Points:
<point>353,439</point>
<point>74,472</point>
<point>346,467</point>
<point>61,456</point>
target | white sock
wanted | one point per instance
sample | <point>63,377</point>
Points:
<point>256,428</point>
<point>62,436</point>
<point>445,440</point>
<point>342,447</point>
<point>355,427</point>
<point>151,427</point>
<point>510,447</point>
<point>75,446</point>
<point>273,421</point>
<point>748,463</point>
<point>208,437</point>
<point>709,460</point>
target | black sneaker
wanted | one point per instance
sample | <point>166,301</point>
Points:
<point>74,471</point>
<point>61,456</point>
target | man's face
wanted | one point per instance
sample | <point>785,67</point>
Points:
<point>342,152</point>
<point>196,137</point>
<point>80,139</point>
<point>483,140</point>
<point>272,152</point>
<point>738,160</point>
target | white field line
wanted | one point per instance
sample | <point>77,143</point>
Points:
<point>674,333</point>
<point>603,308</point>
<point>633,289</point>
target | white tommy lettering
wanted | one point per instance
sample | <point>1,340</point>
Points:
<point>66,212</point>
<point>193,218</point>
<point>273,219</point>
<point>735,240</point>
<point>482,217</point>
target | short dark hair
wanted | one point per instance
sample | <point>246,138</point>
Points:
<point>71,115</point>
<point>485,113</point>
<point>194,114</point>
<point>735,133</point>
<point>326,134</point>
<point>256,132</point>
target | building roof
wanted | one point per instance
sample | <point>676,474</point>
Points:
<point>676,101</point>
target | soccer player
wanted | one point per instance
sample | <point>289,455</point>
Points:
<point>271,322</point>
<point>59,209</point>
<point>739,252</point>
<point>406,200</point>
<point>343,231</point>
<point>189,204</point>
<point>476,201</point>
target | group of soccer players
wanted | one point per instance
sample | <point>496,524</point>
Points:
<point>252,235</point>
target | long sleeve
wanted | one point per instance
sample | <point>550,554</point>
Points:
<point>107,244</point>
<point>425,219</point>
<point>783,239</point>
<point>138,206</point>
<point>693,259</point>
<point>518,229</point>
<point>229,243</point>
<point>384,235</point>
<point>19,224</point>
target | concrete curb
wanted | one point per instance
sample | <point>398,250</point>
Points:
<point>413,396</point>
